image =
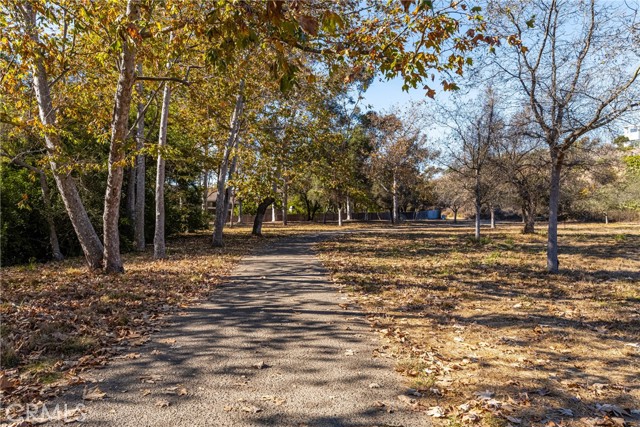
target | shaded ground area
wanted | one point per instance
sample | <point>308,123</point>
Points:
<point>59,319</point>
<point>488,337</point>
<point>275,345</point>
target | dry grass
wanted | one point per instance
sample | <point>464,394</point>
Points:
<point>487,337</point>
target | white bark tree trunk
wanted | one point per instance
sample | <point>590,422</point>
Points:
<point>221,202</point>
<point>139,239</point>
<point>394,189</point>
<point>159,244</point>
<point>119,130</point>
<point>229,196</point>
<point>89,240</point>
<point>348,208</point>
<point>339,215</point>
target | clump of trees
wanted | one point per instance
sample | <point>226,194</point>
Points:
<point>131,112</point>
<point>119,122</point>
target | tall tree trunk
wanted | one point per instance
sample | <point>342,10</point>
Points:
<point>139,238</point>
<point>205,193</point>
<point>455,216</point>
<point>259,219</point>
<point>221,202</point>
<point>478,204</point>
<point>324,217</point>
<point>159,244</point>
<point>348,208</point>
<point>394,187</point>
<point>273,212</point>
<point>493,216</point>
<point>119,130</point>
<point>89,240</point>
<point>478,207</point>
<point>229,197</point>
<point>339,215</point>
<point>554,203</point>
<point>285,202</point>
<point>131,193</point>
<point>240,211</point>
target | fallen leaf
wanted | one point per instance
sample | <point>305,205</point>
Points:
<point>436,412</point>
<point>406,399</point>
<point>94,394</point>
<point>162,403</point>
<point>374,385</point>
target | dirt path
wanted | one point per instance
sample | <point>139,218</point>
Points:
<point>279,310</point>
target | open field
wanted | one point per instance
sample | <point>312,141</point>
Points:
<point>486,337</point>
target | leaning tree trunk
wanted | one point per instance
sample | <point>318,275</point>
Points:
<point>221,203</point>
<point>554,203</point>
<point>259,219</point>
<point>159,244</point>
<point>89,240</point>
<point>139,240</point>
<point>119,130</point>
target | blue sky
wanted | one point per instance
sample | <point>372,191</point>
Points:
<point>383,95</point>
